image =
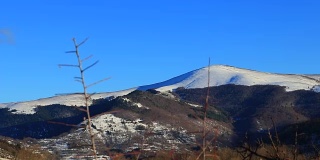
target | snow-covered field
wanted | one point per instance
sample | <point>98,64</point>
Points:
<point>219,75</point>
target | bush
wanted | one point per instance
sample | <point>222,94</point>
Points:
<point>140,127</point>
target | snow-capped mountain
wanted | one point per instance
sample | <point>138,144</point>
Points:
<point>222,74</point>
<point>219,75</point>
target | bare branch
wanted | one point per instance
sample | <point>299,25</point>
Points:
<point>75,44</point>
<point>276,132</point>
<point>207,133</point>
<point>81,109</point>
<point>90,66</point>
<point>276,145</point>
<point>84,41</point>
<point>70,51</point>
<point>87,58</point>
<point>92,94</point>
<point>78,80</point>
<point>68,65</point>
<point>90,85</point>
<point>254,152</point>
<point>66,124</point>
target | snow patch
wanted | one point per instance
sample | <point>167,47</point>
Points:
<point>111,123</point>
<point>316,88</point>
<point>139,105</point>
<point>194,105</point>
<point>110,126</point>
<point>260,129</point>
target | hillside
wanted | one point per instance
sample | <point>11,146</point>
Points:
<point>219,75</point>
<point>173,118</point>
<point>169,114</point>
<point>253,108</point>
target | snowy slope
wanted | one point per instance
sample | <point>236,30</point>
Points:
<point>68,99</point>
<point>219,75</point>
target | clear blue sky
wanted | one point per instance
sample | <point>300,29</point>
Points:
<point>147,41</point>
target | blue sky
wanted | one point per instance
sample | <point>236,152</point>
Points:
<point>144,42</point>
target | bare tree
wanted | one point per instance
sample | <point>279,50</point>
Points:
<point>87,96</point>
<point>274,151</point>
<point>205,132</point>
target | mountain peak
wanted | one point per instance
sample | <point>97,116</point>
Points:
<point>223,74</point>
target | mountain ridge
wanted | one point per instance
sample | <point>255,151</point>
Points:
<point>219,75</point>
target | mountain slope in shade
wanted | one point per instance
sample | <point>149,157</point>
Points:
<point>219,75</point>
